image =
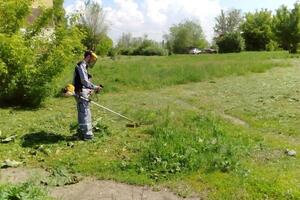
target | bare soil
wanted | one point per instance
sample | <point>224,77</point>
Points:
<point>88,188</point>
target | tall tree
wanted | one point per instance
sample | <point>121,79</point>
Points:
<point>93,22</point>
<point>125,41</point>
<point>295,28</point>
<point>228,22</point>
<point>185,35</point>
<point>281,27</point>
<point>257,30</point>
<point>286,27</point>
<point>227,31</point>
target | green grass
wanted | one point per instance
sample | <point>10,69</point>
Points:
<point>143,73</point>
<point>25,191</point>
<point>185,142</point>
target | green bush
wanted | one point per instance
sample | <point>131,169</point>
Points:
<point>230,43</point>
<point>154,51</point>
<point>29,62</point>
<point>143,47</point>
<point>144,51</point>
<point>199,143</point>
<point>272,46</point>
<point>105,46</point>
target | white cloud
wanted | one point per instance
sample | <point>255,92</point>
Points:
<point>125,14</point>
<point>165,13</point>
<point>154,17</point>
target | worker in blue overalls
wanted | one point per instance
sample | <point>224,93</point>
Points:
<point>84,88</point>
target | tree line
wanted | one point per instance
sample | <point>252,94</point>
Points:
<point>258,31</point>
<point>234,32</point>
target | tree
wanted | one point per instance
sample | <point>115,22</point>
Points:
<point>184,36</point>
<point>92,21</point>
<point>257,30</point>
<point>105,46</point>
<point>286,27</point>
<point>125,41</point>
<point>128,45</point>
<point>295,28</point>
<point>29,62</point>
<point>228,22</point>
<point>12,15</point>
<point>230,43</point>
<point>281,27</point>
<point>227,30</point>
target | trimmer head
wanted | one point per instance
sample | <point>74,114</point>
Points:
<point>133,125</point>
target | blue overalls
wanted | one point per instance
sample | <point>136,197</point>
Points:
<point>83,109</point>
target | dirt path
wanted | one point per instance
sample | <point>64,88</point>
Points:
<point>88,188</point>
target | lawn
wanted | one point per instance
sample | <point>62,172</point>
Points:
<point>212,125</point>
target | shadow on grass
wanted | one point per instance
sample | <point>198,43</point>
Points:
<point>42,137</point>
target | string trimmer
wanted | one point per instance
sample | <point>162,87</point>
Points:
<point>69,91</point>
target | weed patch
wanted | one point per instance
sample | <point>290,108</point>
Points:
<point>25,191</point>
<point>200,142</point>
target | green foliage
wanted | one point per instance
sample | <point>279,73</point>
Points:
<point>44,19</point>
<point>30,61</point>
<point>60,177</point>
<point>272,46</point>
<point>281,26</point>
<point>26,191</point>
<point>139,46</point>
<point>105,46</point>
<point>295,28</point>
<point>198,143</point>
<point>257,30</point>
<point>92,22</point>
<point>59,13</point>
<point>184,36</point>
<point>286,27</point>
<point>230,42</point>
<point>12,15</point>
<point>228,22</point>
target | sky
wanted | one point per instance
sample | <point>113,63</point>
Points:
<point>155,17</point>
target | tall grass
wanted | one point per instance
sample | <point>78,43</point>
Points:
<point>198,142</point>
<point>127,73</point>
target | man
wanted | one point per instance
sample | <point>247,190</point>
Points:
<point>83,88</point>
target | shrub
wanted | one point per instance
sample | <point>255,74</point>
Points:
<point>272,46</point>
<point>230,43</point>
<point>29,62</point>
<point>105,46</point>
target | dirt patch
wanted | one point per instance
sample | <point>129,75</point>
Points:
<point>90,189</point>
<point>87,189</point>
<point>20,175</point>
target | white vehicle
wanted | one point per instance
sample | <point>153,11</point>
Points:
<point>195,51</point>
